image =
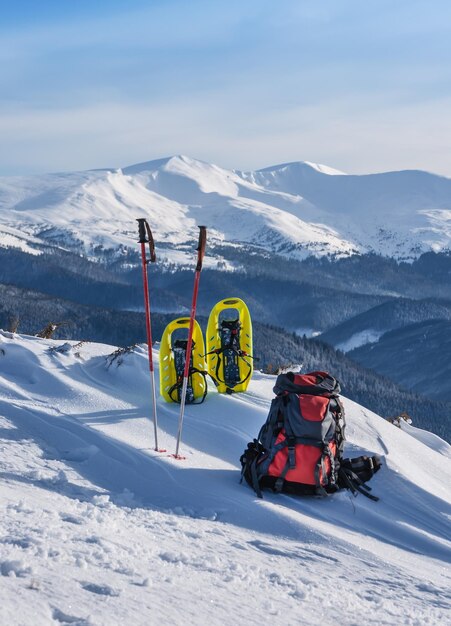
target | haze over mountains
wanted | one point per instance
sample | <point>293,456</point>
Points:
<point>296,209</point>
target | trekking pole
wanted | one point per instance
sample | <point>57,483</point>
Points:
<point>200,255</point>
<point>145,236</point>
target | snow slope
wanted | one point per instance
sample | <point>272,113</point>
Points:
<point>13,238</point>
<point>99,529</point>
<point>296,209</point>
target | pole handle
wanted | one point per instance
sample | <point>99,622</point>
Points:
<point>142,229</point>
<point>145,236</point>
<point>201,247</point>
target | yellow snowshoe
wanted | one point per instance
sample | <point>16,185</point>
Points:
<point>172,363</point>
<point>229,345</point>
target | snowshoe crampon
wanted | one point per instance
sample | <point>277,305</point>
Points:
<point>172,363</point>
<point>229,345</point>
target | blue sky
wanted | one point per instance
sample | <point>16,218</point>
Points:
<point>359,85</point>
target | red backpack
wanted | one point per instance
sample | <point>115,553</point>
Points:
<point>300,447</point>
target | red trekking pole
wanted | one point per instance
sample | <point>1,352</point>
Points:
<point>145,236</point>
<point>200,255</point>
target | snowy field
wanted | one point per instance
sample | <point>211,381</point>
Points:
<point>99,529</point>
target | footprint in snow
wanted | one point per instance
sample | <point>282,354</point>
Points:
<point>65,619</point>
<point>19,542</point>
<point>238,546</point>
<point>192,535</point>
<point>14,569</point>
<point>71,519</point>
<point>307,554</point>
<point>78,455</point>
<point>101,590</point>
<point>267,549</point>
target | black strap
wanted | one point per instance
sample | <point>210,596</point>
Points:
<point>255,483</point>
<point>290,443</point>
<point>240,353</point>
<point>273,424</point>
<point>179,384</point>
<point>233,345</point>
<point>248,461</point>
<point>337,410</point>
<point>352,482</point>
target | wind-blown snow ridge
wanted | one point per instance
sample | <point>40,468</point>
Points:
<point>98,528</point>
<point>323,169</point>
<point>294,209</point>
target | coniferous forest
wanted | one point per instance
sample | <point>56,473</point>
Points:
<point>103,302</point>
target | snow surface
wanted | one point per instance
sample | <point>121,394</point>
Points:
<point>361,338</point>
<point>13,238</point>
<point>308,332</point>
<point>294,209</point>
<point>429,439</point>
<point>99,529</point>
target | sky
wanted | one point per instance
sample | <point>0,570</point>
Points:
<point>362,86</point>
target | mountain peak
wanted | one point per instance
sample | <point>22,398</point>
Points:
<point>156,164</point>
<point>303,165</point>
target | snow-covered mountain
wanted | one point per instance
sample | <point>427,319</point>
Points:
<point>295,209</point>
<point>98,528</point>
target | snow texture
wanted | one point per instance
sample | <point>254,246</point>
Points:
<point>361,338</point>
<point>98,528</point>
<point>294,209</point>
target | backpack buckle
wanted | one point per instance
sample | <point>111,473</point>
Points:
<point>291,442</point>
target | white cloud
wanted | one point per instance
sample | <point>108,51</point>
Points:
<point>349,135</point>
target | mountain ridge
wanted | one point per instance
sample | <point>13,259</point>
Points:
<point>297,209</point>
